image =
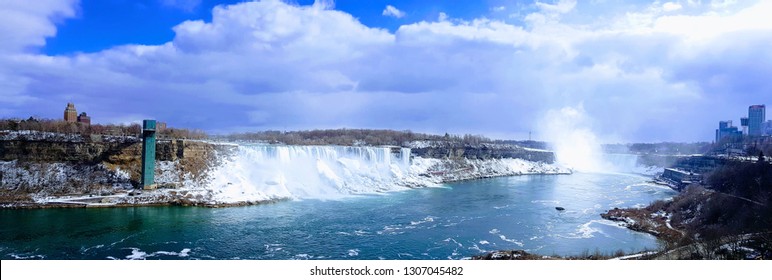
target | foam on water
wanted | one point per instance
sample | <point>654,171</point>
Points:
<point>138,254</point>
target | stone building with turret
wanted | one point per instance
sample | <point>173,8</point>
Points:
<point>70,114</point>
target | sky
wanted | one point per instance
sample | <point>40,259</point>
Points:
<point>628,71</point>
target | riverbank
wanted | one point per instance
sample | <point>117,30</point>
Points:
<point>44,172</point>
<point>423,173</point>
<point>695,225</point>
<point>645,220</point>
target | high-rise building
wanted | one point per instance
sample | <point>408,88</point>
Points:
<point>744,125</point>
<point>726,130</point>
<point>70,114</point>
<point>756,117</point>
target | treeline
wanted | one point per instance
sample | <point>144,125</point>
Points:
<point>63,127</point>
<point>736,201</point>
<point>747,145</point>
<point>181,133</point>
<point>663,148</point>
<point>743,200</point>
<point>347,137</point>
<point>526,143</point>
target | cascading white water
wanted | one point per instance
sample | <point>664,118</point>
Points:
<point>266,172</point>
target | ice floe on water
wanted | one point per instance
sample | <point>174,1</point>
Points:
<point>427,219</point>
<point>589,229</point>
<point>514,241</point>
<point>503,237</point>
<point>26,256</point>
<point>138,254</point>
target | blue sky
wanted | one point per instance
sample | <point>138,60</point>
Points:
<point>631,71</point>
<point>151,21</point>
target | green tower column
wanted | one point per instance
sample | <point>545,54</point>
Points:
<point>148,154</point>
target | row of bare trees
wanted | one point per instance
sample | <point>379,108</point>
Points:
<point>353,137</point>
<point>733,209</point>
<point>59,126</point>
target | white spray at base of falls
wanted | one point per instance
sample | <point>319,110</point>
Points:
<point>577,147</point>
<point>269,172</point>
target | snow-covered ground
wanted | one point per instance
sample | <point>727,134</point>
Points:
<point>58,177</point>
<point>259,173</point>
<point>32,135</point>
<point>264,172</point>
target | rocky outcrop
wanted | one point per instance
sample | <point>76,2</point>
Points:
<point>35,167</point>
<point>458,169</point>
<point>509,255</point>
<point>481,151</point>
<point>644,220</point>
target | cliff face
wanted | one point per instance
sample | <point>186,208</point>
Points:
<point>47,169</point>
<point>49,166</point>
<point>481,151</point>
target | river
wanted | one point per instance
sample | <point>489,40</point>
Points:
<point>453,221</point>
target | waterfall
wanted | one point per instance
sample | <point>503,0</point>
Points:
<point>265,172</point>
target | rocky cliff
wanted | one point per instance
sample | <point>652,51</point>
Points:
<point>484,151</point>
<point>34,165</point>
<point>56,169</point>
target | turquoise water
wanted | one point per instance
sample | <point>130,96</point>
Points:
<point>456,221</point>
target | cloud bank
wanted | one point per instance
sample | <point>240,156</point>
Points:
<point>650,72</point>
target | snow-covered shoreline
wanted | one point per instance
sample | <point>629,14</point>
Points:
<point>265,174</point>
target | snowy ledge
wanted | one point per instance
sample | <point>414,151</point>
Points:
<point>218,189</point>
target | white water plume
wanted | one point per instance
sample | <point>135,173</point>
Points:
<point>577,147</point>
<point>267,172</point>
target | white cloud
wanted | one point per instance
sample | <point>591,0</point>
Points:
<point>498,9</point>
<point>712,25</point>
<point>391,11</point>
<point>442,16</point>
<point>721,4</point>
<point>670,6</point>
<point>643,74</point>
<point>561,7</point>
<point>28,23</point>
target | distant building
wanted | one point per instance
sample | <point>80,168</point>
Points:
<point>70,114</point>
<point>726,130</point>
<point>84,119</point>
<point>756,117</point>
<point>744,125</point>
<point>680,178</point>
<point>767,128</point>
<point>160,126</point>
